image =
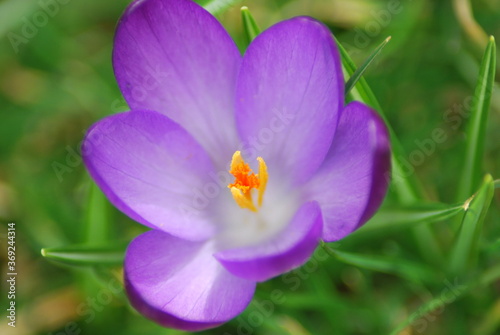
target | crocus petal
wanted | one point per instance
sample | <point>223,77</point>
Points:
<point>174,57</point>
<point>150,168</point>
<point>353,180</point>
<point>289,96</point>
<point>180,285</point>
<point>285,251</point>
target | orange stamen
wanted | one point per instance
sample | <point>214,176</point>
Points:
<point>245,181</point>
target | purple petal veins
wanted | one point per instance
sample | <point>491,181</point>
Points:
<point>194,102</point>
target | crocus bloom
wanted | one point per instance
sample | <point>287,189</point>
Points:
<point>238,164</point>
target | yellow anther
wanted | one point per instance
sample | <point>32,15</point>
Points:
<point>262,178</point>
<point>237,161</point>
<point>245,181</point>
<point>242,200</point>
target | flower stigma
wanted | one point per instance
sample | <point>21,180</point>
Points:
<point>246,181</point>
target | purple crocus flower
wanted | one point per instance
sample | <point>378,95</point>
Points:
<point>239,165</point>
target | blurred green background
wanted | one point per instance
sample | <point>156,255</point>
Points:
<point>56,79</point>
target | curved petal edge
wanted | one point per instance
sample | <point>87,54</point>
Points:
<point>353,180</point>
<point>284,252</point>
<point>289,96</point>
<point>150,168</point>
<point>179,284</point>
<point>174,57</point>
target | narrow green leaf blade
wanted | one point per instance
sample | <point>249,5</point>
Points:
<point>217,7</point>
<point>452,292</point>
<point>84,255</point>
<point>361,70</point>
<point>404,182</point>
<point>466,246</point>
<point>447,295</point>
<point>476,131</point>
<point>249,25</point>
<point>410,216</point>
<point>402,268</point>
<point>97,223</point>
<point>361,91</point>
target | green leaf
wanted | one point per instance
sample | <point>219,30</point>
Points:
<point>361,70</point>
<point>361,91</point>
<point>217,7</point>
<point>400,267</point>
<point>97,223</point>
<point>404,182</point>
<point>466,247</point>
<point>302,301</point>
<point>249,25</point>
<point>476,131</point>
<point>405,217</point>
<point>84,255</point>
<point>451,292</point>
<point>497,183</point>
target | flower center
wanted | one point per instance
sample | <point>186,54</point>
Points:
<point>246,181</point>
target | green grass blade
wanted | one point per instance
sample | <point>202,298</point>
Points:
<point>451,292</point>
<point>404,182</point>
<point>466,247</point>
<point>476,132</point>
<point>301,301</point>
<point>97,223</point>
<point>402,268</point>
<point>361,70</point>
<point>388,218</point>
<point>249,25</point>
<point>360,91</point>
<point>217,7</point>
<point>84,255</point>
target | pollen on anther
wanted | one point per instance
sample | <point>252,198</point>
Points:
<point>246,181</point>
